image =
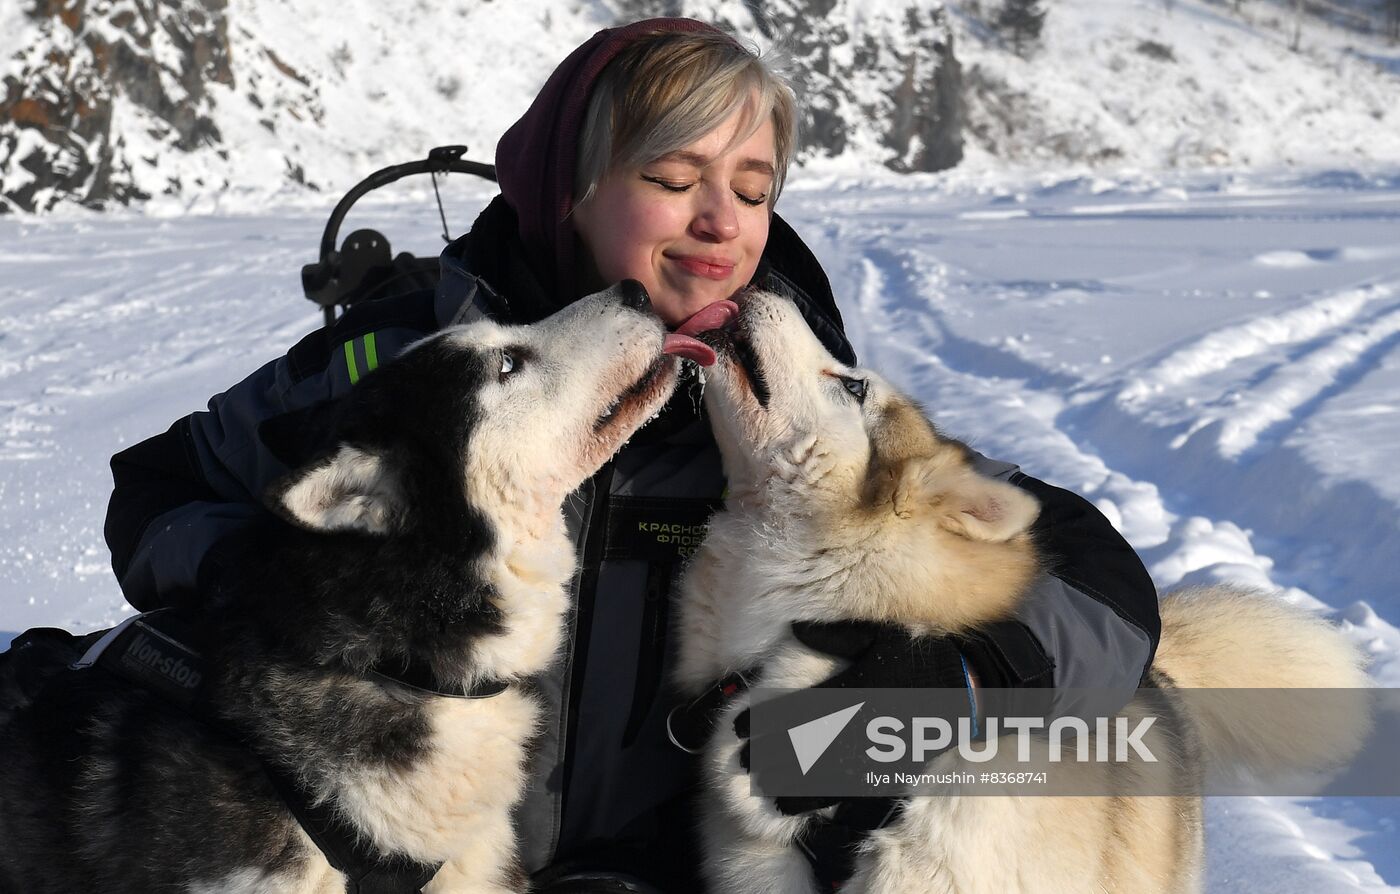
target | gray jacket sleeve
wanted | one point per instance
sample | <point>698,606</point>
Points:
<point>1091,620</point>
<point>180,494</point>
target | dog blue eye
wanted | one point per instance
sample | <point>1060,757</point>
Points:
<point>855,386</point>
<point>507,363</point>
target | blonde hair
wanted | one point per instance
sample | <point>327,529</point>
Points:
<point>668,90</point>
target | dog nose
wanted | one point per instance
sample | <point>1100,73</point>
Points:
<point>634,295</point>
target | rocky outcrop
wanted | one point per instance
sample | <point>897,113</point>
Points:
<point>95,62</point>
<point>109,102</point>
<point>927,112</point>
<point>877,76</point>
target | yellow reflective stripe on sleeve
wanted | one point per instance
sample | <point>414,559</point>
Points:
<point>350,361</point>
<point>371,355</point>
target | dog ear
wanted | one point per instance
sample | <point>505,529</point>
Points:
<point>964,502</point>
<point>351,490</point>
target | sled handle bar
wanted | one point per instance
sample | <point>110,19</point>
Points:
<point>441,160</point>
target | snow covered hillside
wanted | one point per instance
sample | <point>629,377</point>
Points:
<point>1180,83</point>
<point>1212,359</point>
<point>210,105</point>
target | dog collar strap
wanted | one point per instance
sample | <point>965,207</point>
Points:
<point>689,725</point>
<point>420,679</point>
<point>153,651</point>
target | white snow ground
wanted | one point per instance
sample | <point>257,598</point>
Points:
<point>1211,358</point>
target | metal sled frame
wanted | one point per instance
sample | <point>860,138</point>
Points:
<point>364,268</point>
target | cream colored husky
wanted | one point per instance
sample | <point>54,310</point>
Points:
<point>845,503</point>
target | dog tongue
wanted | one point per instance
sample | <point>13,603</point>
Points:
<point>688,347</point>
<point>682,342</point>
<point>713,316</point>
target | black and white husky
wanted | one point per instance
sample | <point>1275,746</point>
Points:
<point>429,538</point>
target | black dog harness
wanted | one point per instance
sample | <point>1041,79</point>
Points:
<point>829,844</point>
<point>152,650</point>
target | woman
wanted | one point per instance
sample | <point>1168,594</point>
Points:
<point>654,152</point>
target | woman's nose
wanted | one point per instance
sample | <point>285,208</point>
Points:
<point>716,218</point>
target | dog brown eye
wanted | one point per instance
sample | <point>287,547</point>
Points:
<point>855,386</point>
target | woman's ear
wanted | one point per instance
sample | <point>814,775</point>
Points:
<point>351,490</point>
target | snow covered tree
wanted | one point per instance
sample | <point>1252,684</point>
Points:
<point>1022,19</point>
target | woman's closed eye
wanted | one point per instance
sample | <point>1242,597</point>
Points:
<point>684,186</point>
<point>670,185</point>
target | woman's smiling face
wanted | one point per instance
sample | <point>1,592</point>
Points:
<point>690,225</point>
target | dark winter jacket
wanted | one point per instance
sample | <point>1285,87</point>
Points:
<point>607,787</point>
<point>606,783</point>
